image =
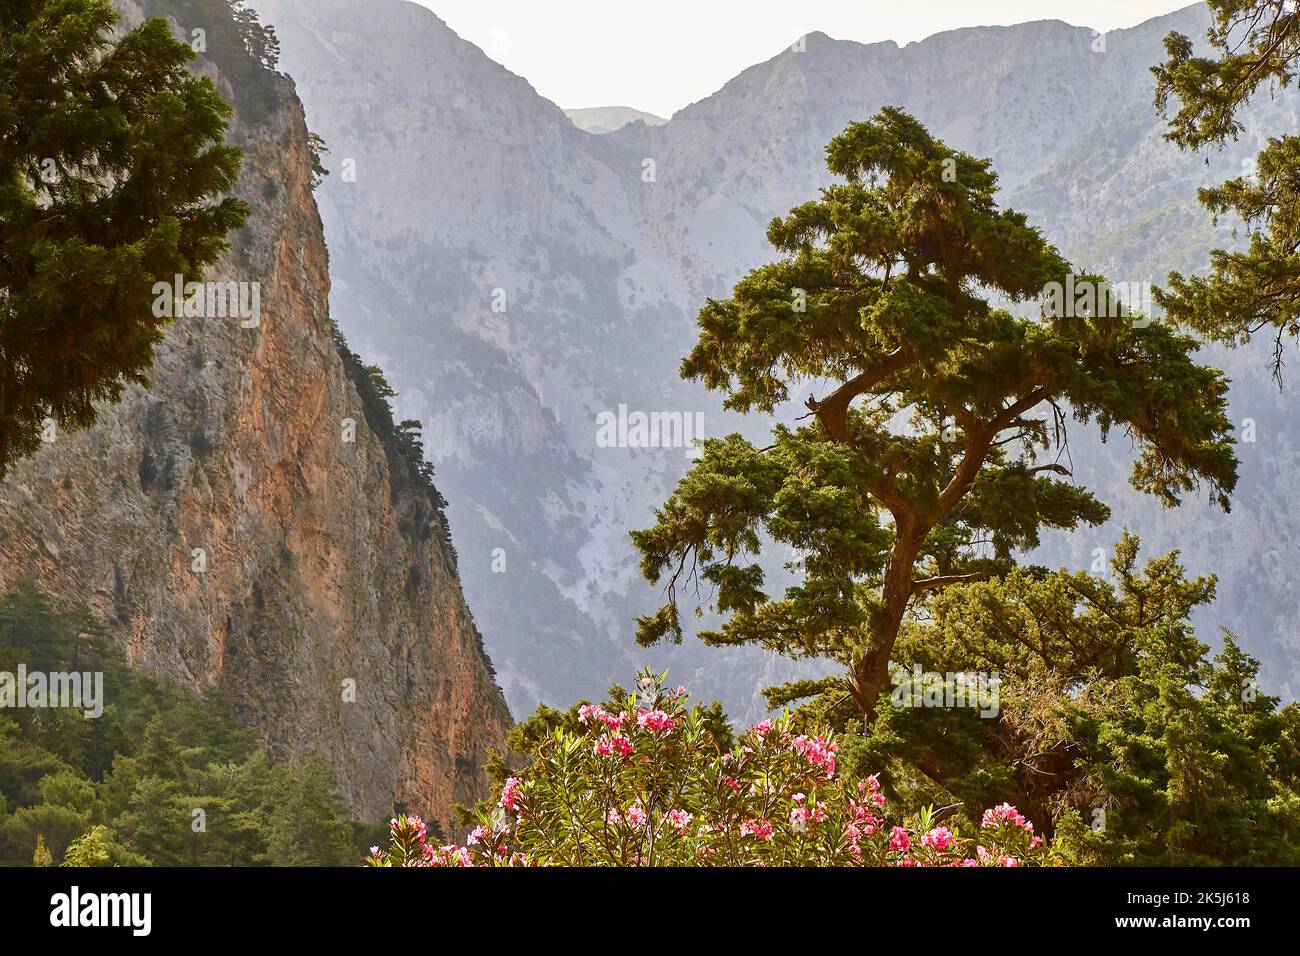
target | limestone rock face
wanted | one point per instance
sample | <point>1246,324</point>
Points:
<point>229,534</point>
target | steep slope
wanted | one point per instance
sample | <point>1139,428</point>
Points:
<point>223,528</point>
<point>519,279</point>
<point>511,306</point>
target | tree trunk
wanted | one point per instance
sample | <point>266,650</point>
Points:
<point>869,673</point>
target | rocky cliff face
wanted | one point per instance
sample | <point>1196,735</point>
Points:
<point>567,269</point>
<point>246,523</point>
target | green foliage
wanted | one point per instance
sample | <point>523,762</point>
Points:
<point>42,855</point>
<point>318,149</point>
<point>112,175</point>
<point>162,777</point>
<point>96,847</point>
<point>401,441</point>
<point>307,823</point>
<point>949,466</point>
<point>1256,43</point>
<point>1112,720</point>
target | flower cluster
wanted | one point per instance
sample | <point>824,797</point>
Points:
<point>1005,813</point>
<point>409,846</point>
<point>655,720</point>
<point>818,751</point>
<point>593,713</point>
<point>642,782</point>
<point>609,746</point>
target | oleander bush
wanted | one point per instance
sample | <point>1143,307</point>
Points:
<point>643,781</point>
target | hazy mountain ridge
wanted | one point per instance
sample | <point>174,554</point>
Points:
<point>607,119</point>
<point>467,182</point>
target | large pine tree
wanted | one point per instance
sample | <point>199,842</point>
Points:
<point>112,177</point>
<point>948,462</point>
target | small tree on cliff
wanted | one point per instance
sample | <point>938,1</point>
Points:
<point>935,478</point>
<point>112,175</point>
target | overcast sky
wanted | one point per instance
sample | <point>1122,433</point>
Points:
<point>660,55</point>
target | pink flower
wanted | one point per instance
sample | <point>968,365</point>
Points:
<point>609,746</point>
<point>732,783</point>
<point>1005,813</point>
<point>819,752</point>
<point>479,834</point>
<point>969,862</point>
<point>589,712</point>
<point>613,817</point>
<point>862,813</point>
<point>451,855</point>
<point>798,799</point>
<point>761,728</point>
<point>940,838</point>
<point>655,720</point>
<point>509,799</point>
<point>680,820</point>
<point>1008,861</point>
<point>899,840</point>
<point>758,827</point>
<point>613,721</point>
<point>799,819</point>
<point>872,784</point>
<point>636,815</point>
<point>906,861</point>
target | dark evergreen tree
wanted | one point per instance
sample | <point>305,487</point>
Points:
<point>112,178</point>
<point>949,465</point>
<point>1110,718</point>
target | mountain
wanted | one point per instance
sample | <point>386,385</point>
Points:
<point>523,282</point>
<point>606,119</point>
<point>251,521</point>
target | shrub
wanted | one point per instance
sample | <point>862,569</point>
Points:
<point>641,781</point>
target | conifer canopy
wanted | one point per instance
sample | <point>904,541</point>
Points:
<point>933,454</point>
<point>113,172</point>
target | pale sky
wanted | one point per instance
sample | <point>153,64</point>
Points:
<point>660,55</point>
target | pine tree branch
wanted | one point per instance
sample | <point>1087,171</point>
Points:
<point>945,580</point>
<point>1054,468</point>
<point>977,446</point>
<point>833,410</point>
